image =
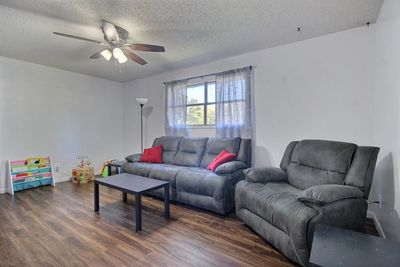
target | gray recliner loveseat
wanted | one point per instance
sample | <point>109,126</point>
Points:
<point>317,182</point>
<point>185,162</point>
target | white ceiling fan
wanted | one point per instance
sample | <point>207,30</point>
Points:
<point>117,44</point>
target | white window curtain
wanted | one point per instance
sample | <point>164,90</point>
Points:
<point>175,110</point>
<point>233,104</point>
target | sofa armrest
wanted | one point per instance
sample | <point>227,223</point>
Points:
<point>327,193</point>
<point>230,167</point>
<point>265,175</point>
<point>133,157</point>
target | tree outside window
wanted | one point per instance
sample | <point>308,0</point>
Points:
<point>200,109</point>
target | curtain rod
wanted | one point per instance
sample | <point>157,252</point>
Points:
<point>211,74</point>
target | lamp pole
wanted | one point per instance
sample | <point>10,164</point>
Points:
<point>141,127</point>
<point>142,102</point>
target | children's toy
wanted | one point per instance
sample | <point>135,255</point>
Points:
<point>82,175</point>
<point>29,173</point>
<point>105,170</point>
<point>82,161</point>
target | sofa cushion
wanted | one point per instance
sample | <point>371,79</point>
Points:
<point>137,168</point>
<point>215,146</point>
<point>170,147</point>
<point>315,162</point>
<point>166,172</point>
<point>190,152</point>
<point>275,202</point>
<point>244,151</point>
<point>362,168</point>
<point>265,175</point>
<point>201,181</point>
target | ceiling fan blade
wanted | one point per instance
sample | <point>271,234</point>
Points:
<point>147,47</point>
<point>77,37</point>
<point>132,56</point>
<point>96,55</point>
<point>110,33</point>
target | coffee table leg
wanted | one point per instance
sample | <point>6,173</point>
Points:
<point>96,197</point>
<point>138,211</point>
<point>124,197</point>
<point>166,202</point>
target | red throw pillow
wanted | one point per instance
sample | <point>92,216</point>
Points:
<point>223,156</point>
<point>152,155</point>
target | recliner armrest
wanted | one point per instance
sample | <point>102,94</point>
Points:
<point>133,157</point>
<point>230,167</point>
<point>265,175</point>
<point>327,193</point>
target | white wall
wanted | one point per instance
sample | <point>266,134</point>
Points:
<point>318,88</point>
<point>47,111</point>
<point>387,116</point>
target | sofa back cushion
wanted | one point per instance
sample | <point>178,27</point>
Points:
<point>244,152</point>
<point>215,146</point>
<point>362,168</point>
<point>190,152</point>
<point>170,147</point>
<point>315,162</point>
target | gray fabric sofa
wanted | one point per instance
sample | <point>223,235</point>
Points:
<point>317,182</point>
<point>185,162</point>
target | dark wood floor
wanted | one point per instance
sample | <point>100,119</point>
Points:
<point>57,227</point>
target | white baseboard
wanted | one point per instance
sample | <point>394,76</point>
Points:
<point>3,190</point>
<point>62,179</point>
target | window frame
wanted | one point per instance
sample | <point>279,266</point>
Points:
<point>205,104</point>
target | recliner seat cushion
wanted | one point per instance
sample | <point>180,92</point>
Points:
<point>275,202</point>
<point>190,152</point>
<point>202,188</point>
<point>166,172</point>
<point>315,162</point>
<point>200,181</point>
<point>170,147</point>
<point>215,146</point>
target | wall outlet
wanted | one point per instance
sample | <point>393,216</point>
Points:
<point>57,166</point>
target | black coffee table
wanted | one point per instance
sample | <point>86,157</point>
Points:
<point>135,185</point>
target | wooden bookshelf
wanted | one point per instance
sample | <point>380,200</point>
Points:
<point>30,173</point>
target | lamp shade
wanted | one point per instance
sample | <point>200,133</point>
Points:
<point>142,101</point>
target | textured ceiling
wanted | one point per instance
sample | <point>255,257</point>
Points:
<point>192,31</point>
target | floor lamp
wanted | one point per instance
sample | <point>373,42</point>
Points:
<point>142,102</point>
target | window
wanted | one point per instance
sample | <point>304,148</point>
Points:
<point>200,110</point>
<point>195,106</point>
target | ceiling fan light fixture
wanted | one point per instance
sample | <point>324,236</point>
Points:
<point>119,55</point>
<point>117,46</point>
<point>106,54</point>
<point>122,59</point>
